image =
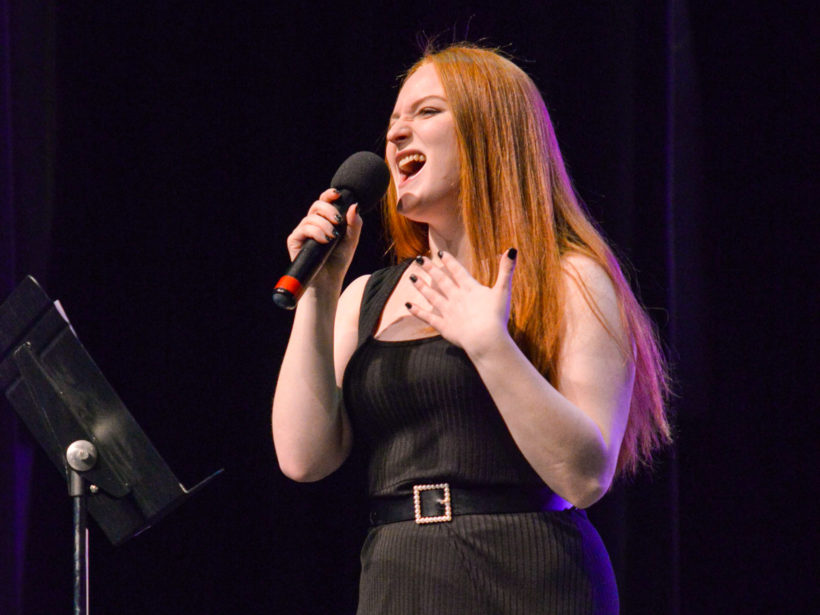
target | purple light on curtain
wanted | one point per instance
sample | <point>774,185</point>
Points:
<point>23,458</point>
<point>15,452</point>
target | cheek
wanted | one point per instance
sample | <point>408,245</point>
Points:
<point>454,166</point>
<point>451,143</point>
<point>389,155</point>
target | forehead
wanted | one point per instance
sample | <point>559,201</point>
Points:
<point>423,82</point>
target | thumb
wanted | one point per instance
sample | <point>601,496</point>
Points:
<point>506,269</point>
<point>354,221</point>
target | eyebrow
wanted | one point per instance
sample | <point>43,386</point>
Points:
<point>418,103</point>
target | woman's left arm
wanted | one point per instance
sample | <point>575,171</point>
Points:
<point>570,433</point>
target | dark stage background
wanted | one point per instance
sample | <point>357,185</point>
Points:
<point>156,154</point>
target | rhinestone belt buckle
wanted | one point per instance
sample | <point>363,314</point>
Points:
<point>444,501</point>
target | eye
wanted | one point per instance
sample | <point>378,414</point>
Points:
<point>428,111</point>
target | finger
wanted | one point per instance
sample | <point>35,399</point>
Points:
<point>438,276</point>
<point>455,269</point>
<point>329,228</point>
<point>296,240</point>
<point>308,231</point>
<point>329,195</point>
<point>427,316</point>
<point>434,298</point>
<point>354,223</point>
<point>353,216</point>
<point>506,268</point>
<point>327,211</point>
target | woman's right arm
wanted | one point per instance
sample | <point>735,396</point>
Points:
<point>311,431</point>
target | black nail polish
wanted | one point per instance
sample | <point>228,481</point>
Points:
<point>335,232</point>
<point>440,253</point>
<point>512,253</point>
<point>420,260</point>
<point>407,305</point>
<point>338,217</point>
<point>413,278</point>
<point>328,237</point>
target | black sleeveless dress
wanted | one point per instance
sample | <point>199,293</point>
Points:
<point>422,415</point>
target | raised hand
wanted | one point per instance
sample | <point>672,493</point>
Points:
<point>465,312</point>
<point>324,223</point>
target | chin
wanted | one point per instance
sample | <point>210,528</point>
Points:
<point>411,207</point>
<point>417,208</point>
<point>406,202</point>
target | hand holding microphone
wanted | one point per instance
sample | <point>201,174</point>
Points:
<point>362,179</point>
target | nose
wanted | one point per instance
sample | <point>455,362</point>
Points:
<point>399,132</point>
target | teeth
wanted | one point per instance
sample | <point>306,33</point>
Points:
<point>409,162</point>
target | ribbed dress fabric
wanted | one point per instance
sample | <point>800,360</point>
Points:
<point>422,415</point>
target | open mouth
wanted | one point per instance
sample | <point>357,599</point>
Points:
<point>409,165</point>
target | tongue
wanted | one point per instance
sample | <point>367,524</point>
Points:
<point>411,167</point>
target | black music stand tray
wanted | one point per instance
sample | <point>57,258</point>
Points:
<point>113,470</point>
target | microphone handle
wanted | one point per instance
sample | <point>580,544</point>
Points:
<point>310,260</point>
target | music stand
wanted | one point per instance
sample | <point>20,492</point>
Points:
<point>112,469</point>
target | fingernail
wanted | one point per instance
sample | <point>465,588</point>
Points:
<point>440,253</point>
<point>420,260</point>
<point>413,278</point>
<point>336,191</point>
<point>328,237</point>
<point>407,305</point>
<point>335,232</point>
<point>338,217</point>
<point>512,253</point>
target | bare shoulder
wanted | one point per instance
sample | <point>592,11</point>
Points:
<point>590,299</point>
<point>351,299</point>
<point>583,274</point>
<point>346,328</point>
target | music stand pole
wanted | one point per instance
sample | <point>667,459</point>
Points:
<point>81,456</point>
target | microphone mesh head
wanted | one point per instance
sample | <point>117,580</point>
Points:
<point>365,175</point>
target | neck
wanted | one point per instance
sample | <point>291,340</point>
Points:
<point>454,241</point>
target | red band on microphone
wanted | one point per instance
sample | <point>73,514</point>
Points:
<point>290,284</point>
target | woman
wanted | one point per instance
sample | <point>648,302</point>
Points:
<point>498,381</point>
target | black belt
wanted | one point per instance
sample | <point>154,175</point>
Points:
<point>439,503</point>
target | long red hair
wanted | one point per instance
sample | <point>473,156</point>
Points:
<point>515,192</point>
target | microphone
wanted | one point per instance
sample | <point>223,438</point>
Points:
<point>362,179</point>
